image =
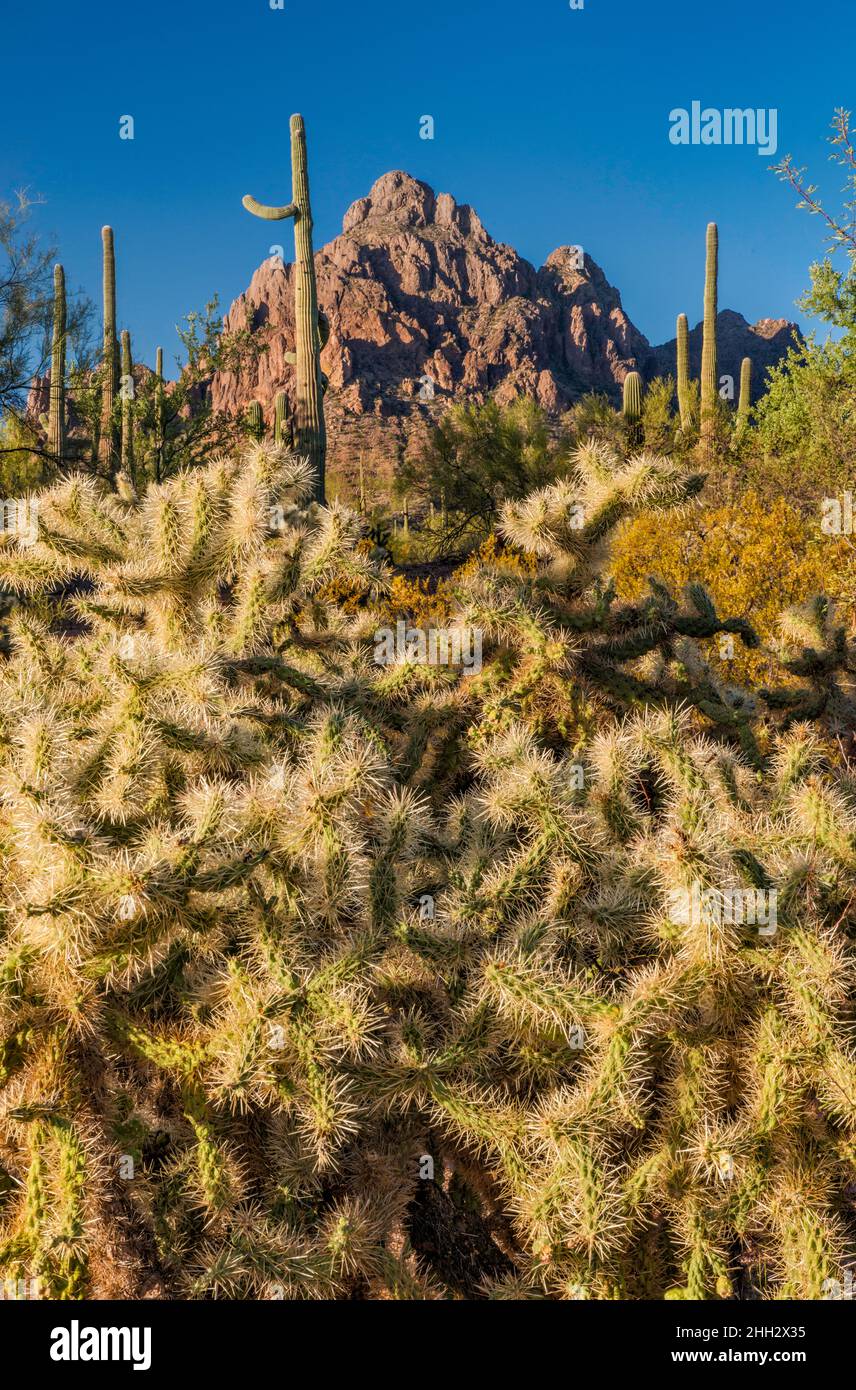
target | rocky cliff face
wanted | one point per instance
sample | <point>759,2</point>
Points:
<point>425,307</point>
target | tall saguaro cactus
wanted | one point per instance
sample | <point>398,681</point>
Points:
<point>56,421</point>
<point>683,351</point>
<point>109,353</point>
<point>310,434</point>
<point>127,456</point>
<point>160,418</point>
<point>708,349</point>
<point>745,399</point>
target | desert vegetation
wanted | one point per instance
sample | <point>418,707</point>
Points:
<point>330,976</point>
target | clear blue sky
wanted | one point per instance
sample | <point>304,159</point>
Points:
<point>552,122</point>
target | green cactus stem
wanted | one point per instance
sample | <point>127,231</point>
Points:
<point>109,354</point>
<point>632,398</point>
<point>56,421</point>
<point>310,434</point>
<point>708,350</point>
<point>160,418</point>
<point>255,420</point>
<point>683,352</point>
<point>745,399</point>
<point>127,394</point>
<point>282,420</point>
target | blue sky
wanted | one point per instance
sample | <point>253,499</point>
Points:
<point>552,122</point>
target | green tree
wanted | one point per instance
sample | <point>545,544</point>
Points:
<point>478,457</point>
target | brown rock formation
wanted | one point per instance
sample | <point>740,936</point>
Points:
<point>425,307</point>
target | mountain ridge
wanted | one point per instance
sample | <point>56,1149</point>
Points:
<point>425,307</point>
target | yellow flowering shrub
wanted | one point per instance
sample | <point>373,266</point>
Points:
<point>755,556</point>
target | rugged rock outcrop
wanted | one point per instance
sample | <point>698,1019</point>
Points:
<point>425,307</point>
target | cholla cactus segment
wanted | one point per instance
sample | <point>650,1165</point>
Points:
<point>321,977</point>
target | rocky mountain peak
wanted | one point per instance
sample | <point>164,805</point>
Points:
<point>425,307</point>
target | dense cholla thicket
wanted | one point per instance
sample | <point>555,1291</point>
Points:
<point>324,978</point>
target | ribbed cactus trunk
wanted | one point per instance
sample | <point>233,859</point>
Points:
<point>281,421</point>
<point>632,398</point>
<point>160,418</point>
<point>127,454</point>
<point>745,399</point>
<point>708,350</point>
<point>310,434</point>
<point>108,388</point>
<point>56,419</point>
<point>255,421</point>
<point>683,351</point>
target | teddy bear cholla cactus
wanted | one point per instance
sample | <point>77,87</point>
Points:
<point>224,836</point>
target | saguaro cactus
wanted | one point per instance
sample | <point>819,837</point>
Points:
<point>683,351</point>
<point>745,399</point>
<point>160,418</point>
<point>708,350</point>
<point>255,420</point>
<point>109,353</point>
<point>127,393</point>
<point>281,420</point>
<point>310,434</point>
<point>56,421</point>
<point>633,398</point>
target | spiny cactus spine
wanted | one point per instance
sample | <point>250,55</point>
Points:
<point>709,381</point>
<point>632,406</point>
<point>745,399</point>
<point>127,393</point>
<point>683,372</point>
<point>310,433</point>
<point>109,353</point>
<point>56,421</point>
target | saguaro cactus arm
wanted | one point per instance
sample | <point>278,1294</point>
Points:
<point>269,214</point>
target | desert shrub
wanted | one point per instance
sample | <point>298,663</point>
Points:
<point>476,458</point>
<point>658,420</point>
<point>757,556</point>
